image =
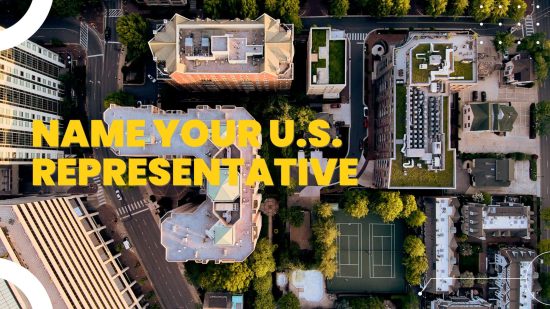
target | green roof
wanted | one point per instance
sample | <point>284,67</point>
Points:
<point>505,116</point>
<point>496,117</point>
<point>481,117</point>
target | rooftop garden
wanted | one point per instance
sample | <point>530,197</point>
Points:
<point>422,177</point>
<point>337,62</point>
<point>400,110</point>
<point>423,52</point>
<point>321,63</point>
<point>464,69</point>
<point>319,39</point>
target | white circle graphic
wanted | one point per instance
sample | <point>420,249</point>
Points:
<point>25,281</point>
<point>26,26</point>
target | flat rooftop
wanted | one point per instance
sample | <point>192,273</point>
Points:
<point>190,46</point>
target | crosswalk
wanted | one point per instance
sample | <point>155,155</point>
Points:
<point>100,194</point>
<point>132,209</point>
<point>84,35</point>
<point>529,27</point>
<point>115,13</point>
<point>356,36</point>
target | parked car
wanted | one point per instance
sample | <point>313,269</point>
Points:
<point>151,78</point>
<point>483,96</point>
<point>118,194</point>
<point>366,111</point>
<point>107,33</point>
<point>474,96</point>
<point>335,105</point>
<point>126,243</point>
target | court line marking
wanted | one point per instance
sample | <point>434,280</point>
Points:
<point>359,234</point>
<point>392,252</point>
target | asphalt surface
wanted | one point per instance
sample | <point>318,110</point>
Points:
<point>171,288</point>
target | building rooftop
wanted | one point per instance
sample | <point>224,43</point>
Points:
<point>460,303</point>
<point>519,69</point>
<point>225,227</point>
<point>494,117</point>
<point>503,220</point>
<point>263,45</point>
<point>492,172</point>
<point>327,56</point>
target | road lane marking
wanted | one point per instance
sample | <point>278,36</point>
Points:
<point>96,55</point>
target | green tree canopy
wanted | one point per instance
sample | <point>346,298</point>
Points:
<point>371,302</point>
<point>264,301</point>
<point>381,8</point>
<point>481,278</point>
<point>503,41</point>
<point>234,277</point>
<point>356,203</point>
<point>262,261</point>
<point>516,10</point>
<point>294,215</point>
<point>414,247</point>
<point>324,211</point>
<point>388,206</point>
<point>339,8</point>
<point>249,9</point>
<point>436,7</point>
<point>325,232</point>
<point>539,48</point>
<point>289,301</point>
<point>542,123</point>
<point>481,9</point>
<point>416,219</point>
<point>303,116</point>
<point>120,98</point>
<point>467,279</point>
<point>409,205</point>
<point>465,249</point>
<point>457,7</point>
<point>415,267</point>
<point>545,215</point>
<point>132,29</point>
<point>262,285</point>
<point>401,7</point>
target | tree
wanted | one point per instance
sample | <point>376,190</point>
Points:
<point>326,232</point>
<point>289,301</point>
<point>465,249</point>
<point>457,7</point>
<point>503,41</point>
<point>212,8</point>
<point>249,9</point>
<point>366,303</point>
<point>516,10</point>
<point>288,11</point>
<point>381,8</point>
<point>294,215</point>
<point>401,7</point>
<point>264,301</point>
<point>500,9</point>
<point>415,267</point>
<point>487,198</point>
<point>302,117</point>
<point>409,205</point>
<point>436,7</point>
<point>481,279</point>
<point>339,8</point>
<point>119,98</point>
<point>481,9</point>
<point>270,7</point>
<point>262,261</point>
<point>356,203</point>
<point>132,31</point>
<point>262,285</point>
<point>416,219</point>
<point>414,247</point>
<point>388,206</point>
<point>545,215</point>
<point>542,120</point>
<point>324,211</point>
<point>234,277</point>
<point>66,8</point>
<point>467,279</point>
<point>544,246</point>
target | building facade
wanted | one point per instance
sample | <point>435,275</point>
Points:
<point>225,227</point>
<point>60,241</point>
<point>327,64</point>
<point>502,220</point>
<point>29,90</point>
<point>213,55</point>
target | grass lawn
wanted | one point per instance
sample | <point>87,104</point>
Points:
<point>418,75</point>
<point>319,38</point>
<point>400,110</point>
<point>337,62</point>
<point>464,69</point>
<point>422,177</point>
<point>470,263</point>
<point>322,63</point>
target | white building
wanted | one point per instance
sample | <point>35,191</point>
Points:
<point>460,303</point>
<point>29,90</point>
<point>503,220</point>
<point>327,50</point>
<point>516,278</point>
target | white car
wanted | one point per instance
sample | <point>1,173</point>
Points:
<point>118,194</point>
<point>365,111</point>
<point>154,80</point>
<point>126,243</point>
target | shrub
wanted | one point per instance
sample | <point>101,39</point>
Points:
<point>533,169</point>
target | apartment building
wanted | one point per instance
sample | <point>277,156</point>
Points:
<point>501,220</point>
<point>413,83</point>
<point>29,90</point>
<point>515,284</point>
<point>226,226</point>
<point>327,64</point>
<point>441,245</point>
<point>460,302</point>
<point>62,243</point>
<point>213,55</point>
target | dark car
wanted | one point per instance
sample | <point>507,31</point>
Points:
<point>483,96</point>
<point>107,33</point>
<point>335,105</point>
<point>474,96</point>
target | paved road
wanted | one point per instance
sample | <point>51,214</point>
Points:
<point>170,286</point>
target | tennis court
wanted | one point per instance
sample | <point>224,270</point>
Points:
<point>369,255</point>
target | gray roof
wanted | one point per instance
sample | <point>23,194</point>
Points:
<point>493,172</point>
<point>498,117</point>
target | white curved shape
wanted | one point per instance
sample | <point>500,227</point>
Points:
<point>26,26</point>
<point>26,282</point>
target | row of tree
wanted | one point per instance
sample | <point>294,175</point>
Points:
<point>132,32</point>
<point>288,10</point>
<point>325,233</point>
<point>542,115</point>
<point>480,9</point>
<point>415,261</point>
<point>468,280</point>
<point>389,205</point>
